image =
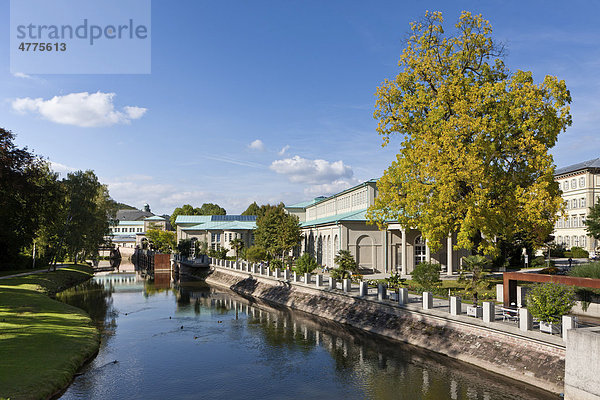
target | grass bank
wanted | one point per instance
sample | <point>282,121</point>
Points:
<point>42,341</point>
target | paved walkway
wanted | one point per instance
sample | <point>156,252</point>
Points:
<point>35,271</point>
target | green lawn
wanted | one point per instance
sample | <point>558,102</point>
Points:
<point>42,341</point>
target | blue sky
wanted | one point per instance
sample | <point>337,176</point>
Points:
<point>272,101</point>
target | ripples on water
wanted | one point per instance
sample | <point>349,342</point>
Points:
<point>190,342</point>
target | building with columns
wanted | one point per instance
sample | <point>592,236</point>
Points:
<point>339,222</point>
<point>580,186</point>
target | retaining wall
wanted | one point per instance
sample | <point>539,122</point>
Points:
<point>528,360</point>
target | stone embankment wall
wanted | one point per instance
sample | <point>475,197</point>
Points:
<point>531,361</point>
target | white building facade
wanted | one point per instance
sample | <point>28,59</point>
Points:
<point>339,222</point>
<point>580,186</point>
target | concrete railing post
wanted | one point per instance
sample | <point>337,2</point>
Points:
<point>276,273</point>
<point>295,277</point>
<point>318,280</point>
<point>286,274</point>
<point>381,291</point>
<point>427,300</point>
<point>403,296</point>
<point>489,312</point>
<point>568,322</point>
<point>347,285</point>
<point>521,296</point>
<point>332,283</point>
<point>261,269</point>
<point>455,305</point>
<point>307,278</point>
<point>525,320</point>
<point>363,289</point>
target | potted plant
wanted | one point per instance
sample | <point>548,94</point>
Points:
<point>475,277</point>
<point>548,302</point>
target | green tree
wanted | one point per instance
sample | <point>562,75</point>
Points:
<point>162,241</point>
<point>346,265</point>
<point>427,275</point>
<point>548,302</point>
<point>29,196</point>
<point>592,221</point>
<point>255,254</point>
<point>237,245</point>
<point>306,263</point>
<point>474,157</point>
<point>86,213</point>
<point>186,209</point>
<point>474,274</point>
<point>212,209</point>
<point>253,209</point>
<point>277,232</point>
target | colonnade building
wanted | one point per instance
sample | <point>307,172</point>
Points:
<point>339,222</point>
<point>580,186</point>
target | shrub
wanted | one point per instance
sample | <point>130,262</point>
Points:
<point>550,301</point>
<point>305,264</point>
<point>427,275</point>
<point>395,281</point>
<point>549,271</point>
<point>541,261</point>
<point>255,254</point>
<point>557,250</point>
<point>578,252</point>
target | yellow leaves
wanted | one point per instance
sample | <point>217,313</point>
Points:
<point>474,158</point>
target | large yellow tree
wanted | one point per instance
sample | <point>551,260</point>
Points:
<point>475,138</point>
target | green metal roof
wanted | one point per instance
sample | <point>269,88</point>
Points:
<point>348,216</point>
<point>130,223</point>
<point>155,218</point>
<point>222,225</point>
<point>192,219</point>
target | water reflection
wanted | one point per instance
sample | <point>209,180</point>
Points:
<point>192,341</point>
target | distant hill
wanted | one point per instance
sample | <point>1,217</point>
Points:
<point>123,206</point>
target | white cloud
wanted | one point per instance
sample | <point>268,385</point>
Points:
<point>284,149</point>
<point>61,168</point>
<point>257,145</point>
<point>80,109</point>
<point>326,189</point>
<point>22,75</point>
<point>302,170</point>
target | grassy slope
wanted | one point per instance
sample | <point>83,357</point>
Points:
<point>42,341</point>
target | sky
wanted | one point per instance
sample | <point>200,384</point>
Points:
<point>272,101</point>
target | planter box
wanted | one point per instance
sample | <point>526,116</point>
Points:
<point>476,312</point>
<point>549,327</point>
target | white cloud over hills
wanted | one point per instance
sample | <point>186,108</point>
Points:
<point>80,109</point>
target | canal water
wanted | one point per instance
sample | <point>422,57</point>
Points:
<point>192,341</point>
